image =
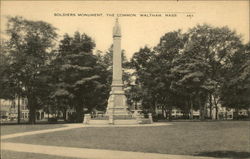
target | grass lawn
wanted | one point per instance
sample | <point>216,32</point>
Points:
<point>12,129</point>
<point>216,139</point>
<point>24,155</point>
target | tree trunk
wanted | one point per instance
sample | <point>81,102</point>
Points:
<point>202,117</point>
<point>156,111</point>
<point>216,112</point>
<point>210,105</point>
<point>18,109</point>
<point>216,109</point>
<point>164,112</point>
<point>191,109</point>
<point>64,114</point>
<point>170,114</point>
<point>237,113</point>
<point>154,107</point>
<point>79,114</point>
<point>32,110</point>
<point>32,115</point>
<point>48,115</point>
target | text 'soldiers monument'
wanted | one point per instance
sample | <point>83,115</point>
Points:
<point>117,102</point>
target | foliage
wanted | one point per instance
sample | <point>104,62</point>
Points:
<point>186,69</point>
<point>144,74</point>
<point>153,68</point>
<point>7,86</point>
<point>236,88</point>
<point>78,77</point>
<point>29,46</point>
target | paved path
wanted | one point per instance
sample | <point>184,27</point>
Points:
<point>85,153</point>
<point>68,126</point>
<point>73,126</point>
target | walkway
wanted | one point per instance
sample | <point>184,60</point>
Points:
<point>85,153</point>
<point>73,126</point>
<point>68,126</point>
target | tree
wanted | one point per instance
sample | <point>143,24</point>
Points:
<point>6,86</point>
<point>29,46</point>
<point>235,89</point>
<point>215,46</point>
<point>169,48</point>
<point>191,79</point>
<point>78,74</point>
<point>141,62</point>
<point>153,68</point>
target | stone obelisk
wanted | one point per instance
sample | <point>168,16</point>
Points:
<point>117,102</point>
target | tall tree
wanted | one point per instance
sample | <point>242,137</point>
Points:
<point>7,87</point>
<point>168,49</point>
<point>191,79</point>
<point>215,46</point>
<point>235,89</point>
<point>30,44</point>
<point>78,73</point>
<point>153,69</point>
<point>141,62</point>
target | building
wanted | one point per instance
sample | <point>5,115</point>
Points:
<point>9,110</point>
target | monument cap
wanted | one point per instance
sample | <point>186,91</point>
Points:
<point>117,29</point>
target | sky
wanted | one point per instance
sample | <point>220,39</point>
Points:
<point>137,31</point>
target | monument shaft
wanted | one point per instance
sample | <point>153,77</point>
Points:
<point>117,62</point>
<point>117,103</point>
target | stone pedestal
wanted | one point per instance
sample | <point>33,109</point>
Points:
<point>86,119</point>
<point>117,103</point>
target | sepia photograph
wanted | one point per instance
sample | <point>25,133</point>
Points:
<point>127,79</point>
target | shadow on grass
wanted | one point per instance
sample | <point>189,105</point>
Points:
<point>226,154</point>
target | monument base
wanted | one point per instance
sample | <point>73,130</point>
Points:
<point>118,120</point>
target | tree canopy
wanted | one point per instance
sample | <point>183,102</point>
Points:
<point>195,70</point>
<point>29,45</point>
